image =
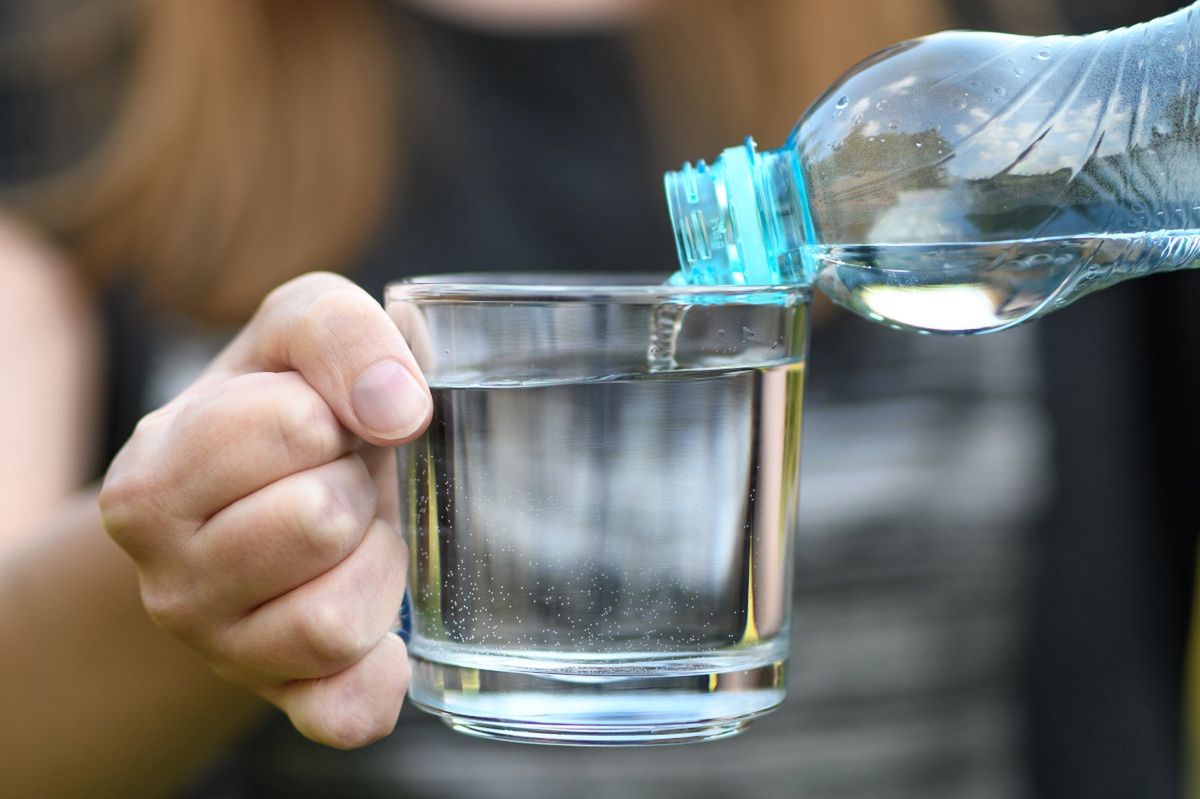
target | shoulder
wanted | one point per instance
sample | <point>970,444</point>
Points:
<point>39,291</point>
<point>51,334</point>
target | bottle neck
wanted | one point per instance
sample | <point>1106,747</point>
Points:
<point>743,220</point>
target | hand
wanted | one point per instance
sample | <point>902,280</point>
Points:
<point>255,523</point>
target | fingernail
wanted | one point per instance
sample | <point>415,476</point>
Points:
<point>389,401</point>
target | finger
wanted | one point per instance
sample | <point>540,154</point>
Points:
<point>355,707</point>
<point>347,348</point>
<point>382,465</point>
<point>279,538</point>
<point>235,437</point>
<point>410,321</point>
<point>328,623</point>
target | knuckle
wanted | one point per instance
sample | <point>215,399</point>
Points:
<point>284,296</point>
<point>403,672</point>
<point>332,633</point>
<point>129,487</point>
<point>214,414</point>
<point>125,500</point>
<point>169,608</point>
<point>395,563</point>
<point>305,426</point>
<point>326,526</point>
<point>332,303</point>
<point>333,316</point>
<point>356,730</point>
<point>151,425</point>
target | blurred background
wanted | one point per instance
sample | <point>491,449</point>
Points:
<point>997,538</point>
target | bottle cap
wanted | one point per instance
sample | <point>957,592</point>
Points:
<point>720,228</point>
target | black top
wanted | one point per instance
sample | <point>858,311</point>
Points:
<point>531,154</point>
<point>527,153</point>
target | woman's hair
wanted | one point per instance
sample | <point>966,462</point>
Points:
<point>258,139</point>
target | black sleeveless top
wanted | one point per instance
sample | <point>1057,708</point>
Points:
<point>531,153</point>
<point>525,153</point>
<point>917,656</point>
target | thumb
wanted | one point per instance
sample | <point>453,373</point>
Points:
<point>346,347</point>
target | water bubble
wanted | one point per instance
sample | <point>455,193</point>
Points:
<point>893,123</point>
<point>918,144</point>
<point>1018,71</point>
<point>1042,55</point>
<point>842,102</point>
<point>999,91</point>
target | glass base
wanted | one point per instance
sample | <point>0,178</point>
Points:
<point>591,736</point>
<point>636,707</point>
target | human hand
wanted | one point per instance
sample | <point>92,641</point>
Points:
<point>255,523</point>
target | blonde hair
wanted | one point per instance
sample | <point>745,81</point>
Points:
<point>259,139</point>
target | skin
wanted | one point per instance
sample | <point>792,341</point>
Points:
<point>255,521</point>
<point>537,15</point>
<point>249,559</point>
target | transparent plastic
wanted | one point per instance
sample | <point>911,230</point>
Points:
<point>967,182</point>
<point>600,515</point>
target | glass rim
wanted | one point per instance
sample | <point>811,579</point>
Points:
<point>631,287</point>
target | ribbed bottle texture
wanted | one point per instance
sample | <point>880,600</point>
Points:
<point>966,182</point>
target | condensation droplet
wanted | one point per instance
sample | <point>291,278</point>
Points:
<point>1018,71</point>
<point>918,144</point>
<point>893,123</point>
<point>999,91</point>
<point>960,103</point>
<point>856,119</point>
<point>842,102</point>
<point>1042,55</point>
<point>882,104</point>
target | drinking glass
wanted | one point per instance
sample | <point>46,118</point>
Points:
<point>600,516</point>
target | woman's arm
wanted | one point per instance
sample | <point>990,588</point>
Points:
<point>50,375</point>
<point>94,699</point>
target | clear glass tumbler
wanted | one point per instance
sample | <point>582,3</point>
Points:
<point>600,516</point>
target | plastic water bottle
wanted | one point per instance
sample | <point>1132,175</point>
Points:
<point>967,182</point>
